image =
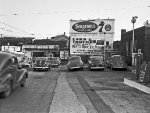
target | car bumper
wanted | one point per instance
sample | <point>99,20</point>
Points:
<point>119,67</point>
<point>76,67</point>
<point>41,68</point>
<point>54,64</point>
<point>96,67</point>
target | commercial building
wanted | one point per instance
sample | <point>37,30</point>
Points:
<point>38,47</point>
<point>141,43</point>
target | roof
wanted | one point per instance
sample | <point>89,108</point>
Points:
<point>6,55</point>
<point>60,37</point>
<point>61,43</point>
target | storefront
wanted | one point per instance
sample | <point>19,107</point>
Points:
<point>41,50</point>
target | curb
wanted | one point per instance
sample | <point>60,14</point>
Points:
<point>137,85</point>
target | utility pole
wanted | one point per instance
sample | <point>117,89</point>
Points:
<point>1,35</point>
<point>133,21</point>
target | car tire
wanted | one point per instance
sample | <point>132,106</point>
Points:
<point>111,67</point>
<point>8,91</point>
<point>102,69</point>
<point>69,69</point>
<point>24,82</point>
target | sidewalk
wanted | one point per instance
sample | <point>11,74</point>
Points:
<point>136,84</point>
<point>65,100</point>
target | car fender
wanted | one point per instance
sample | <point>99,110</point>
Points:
<point>23,74</point>
<point>6,78</point>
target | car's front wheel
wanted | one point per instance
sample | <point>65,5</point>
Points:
<point>8,90</point>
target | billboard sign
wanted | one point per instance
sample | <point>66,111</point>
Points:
<point>92,26</point>
<point>88,45</point>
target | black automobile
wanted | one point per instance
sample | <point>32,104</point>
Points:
<point>75,62</point>
<point>42,63</point>
<point>11,74</point>
<point>96,62</point>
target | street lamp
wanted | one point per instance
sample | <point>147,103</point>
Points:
<point>133,21</point>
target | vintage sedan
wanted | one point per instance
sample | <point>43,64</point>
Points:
<point>11,74</point>
<point>55,61</point>
<point>41,63</point>
<point>75,62</point>
<point>117,62</point>
<point>96,62</point>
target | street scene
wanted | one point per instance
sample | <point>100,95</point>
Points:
<point>74,56</point>
<point>78,91</point>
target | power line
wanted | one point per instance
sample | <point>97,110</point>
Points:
<point>16,28</point>
<point>73,11</point>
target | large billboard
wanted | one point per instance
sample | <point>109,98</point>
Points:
<point>91,37</point>
<point>90,44</point>
<point>92,26</point>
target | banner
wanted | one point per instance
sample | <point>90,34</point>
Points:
<point>11,48</point>
<point>89,45</point>
<point>92,26</point>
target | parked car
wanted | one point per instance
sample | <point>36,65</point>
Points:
<point>96,62</point>
<point>116,62</point>
<point>41,63</point>
<point>55,61</point>
<point>75,62</point>
<point>11,74</point>
<point>25,64</point>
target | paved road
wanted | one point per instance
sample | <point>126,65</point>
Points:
<point>61,91</point>
<point>35,97</point>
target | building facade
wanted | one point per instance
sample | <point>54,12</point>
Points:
<point>37,47</point>
<point>141,43</point>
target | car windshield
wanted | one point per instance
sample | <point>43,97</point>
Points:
<point>99,58</point>
<point>54,61</point>
<point>119,58</point>
<point>95,59</point>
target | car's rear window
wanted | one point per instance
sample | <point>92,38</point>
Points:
<point>98,58</point>
<point>119,58</point>
<point>74,58</point>
<point>95,59</point>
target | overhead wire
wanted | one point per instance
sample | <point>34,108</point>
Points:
<point>16,28</point>
<point>73,11</point>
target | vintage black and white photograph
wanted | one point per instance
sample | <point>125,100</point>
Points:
<point>74,56</point>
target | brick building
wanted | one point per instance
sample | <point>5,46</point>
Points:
<point>141,41</point>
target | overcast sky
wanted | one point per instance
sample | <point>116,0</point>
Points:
<point>46,18</point>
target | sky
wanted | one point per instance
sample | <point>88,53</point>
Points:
<point>48,18</point>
